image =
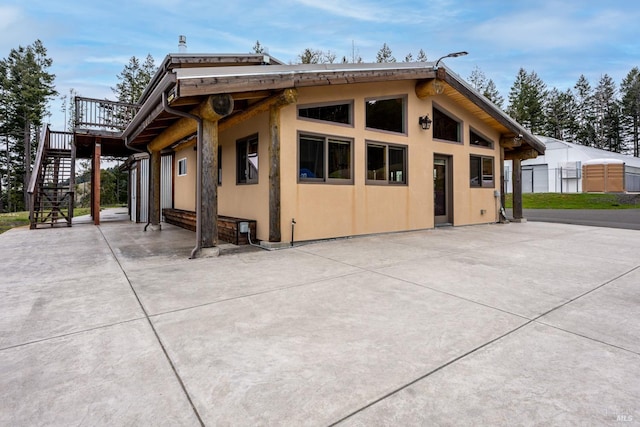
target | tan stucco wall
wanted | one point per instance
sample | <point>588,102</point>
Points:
<point>184,196</point>
<point>249,201</point>
<point>326,210</point>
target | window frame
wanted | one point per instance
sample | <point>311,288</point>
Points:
<point>247,141</point>
<point>325,150</point>
<point>219,165</point>
<point>405,102</point>
<point>182,161</point>
<point>350,103</point>
<point>451,116</point>
<point>482,137</point>
<point>387,181</point>
<point>481,180</point>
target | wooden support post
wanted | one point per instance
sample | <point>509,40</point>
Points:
<point>209,184</point>
<point>274,174</point>
<point>517,189</point>
<point>154,190</point>
<point>286,98</point>
<point>72,184</point>
<point>95,182</point>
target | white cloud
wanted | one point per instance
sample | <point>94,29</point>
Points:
<point>550,27</point>
<point>9,15</point>
<point>365,11</point>
<point>107,59</point>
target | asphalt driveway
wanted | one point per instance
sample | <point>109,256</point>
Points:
<point>515,324</point>
<point>613,218</point>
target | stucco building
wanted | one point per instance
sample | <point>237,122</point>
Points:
<point>319,150</point>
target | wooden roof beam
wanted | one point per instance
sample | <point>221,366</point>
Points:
<point>213,108</point>
<point>287,96</point>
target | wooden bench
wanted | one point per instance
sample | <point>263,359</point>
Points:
<point>228,227</point>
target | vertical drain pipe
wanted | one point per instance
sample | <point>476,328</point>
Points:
<point>168,109</point>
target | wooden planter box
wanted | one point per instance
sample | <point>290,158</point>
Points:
<point>228,227</point>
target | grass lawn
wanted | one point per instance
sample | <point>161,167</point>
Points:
<point>19,219</point>
<point>577,201</point>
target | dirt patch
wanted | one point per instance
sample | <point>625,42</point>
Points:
<point>632,199</point>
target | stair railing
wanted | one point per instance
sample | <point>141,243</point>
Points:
<point>35,171</point>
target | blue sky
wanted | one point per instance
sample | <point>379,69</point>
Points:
<point>90,41</point>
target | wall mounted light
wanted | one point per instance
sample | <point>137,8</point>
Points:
<point>425,122</point>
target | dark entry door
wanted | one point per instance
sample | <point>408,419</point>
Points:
<point>442,189</point>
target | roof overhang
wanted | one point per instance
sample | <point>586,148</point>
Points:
<point>187,80</point>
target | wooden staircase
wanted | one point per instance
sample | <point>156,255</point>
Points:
<point>53,180</point>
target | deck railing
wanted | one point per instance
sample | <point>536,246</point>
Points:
<point>101,114</point>
<point>60,140</point>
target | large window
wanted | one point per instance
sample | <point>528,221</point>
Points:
<point>479,140</point>
<point>325,159</point>
<point>337,113</point>
<point>386,114</point>
<point>386,164</point>
<point>481,174</point>
<point>247,160</point>
<point>446,127</point>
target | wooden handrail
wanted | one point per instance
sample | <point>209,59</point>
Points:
<point>42,144</point>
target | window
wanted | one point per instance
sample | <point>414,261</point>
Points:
<point>478,140</point>
<point>481,171</point>
<point>445,127</point>
<point>182,166</point>
<point>336,113</point>
<point>386,114</point>
<point>386,164</point>
<point>324,159</point>
<point>219,165</point>
<point>247,158</point>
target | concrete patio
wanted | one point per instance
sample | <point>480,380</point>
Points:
<point>515,324</point>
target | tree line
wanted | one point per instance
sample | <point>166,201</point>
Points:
<point>26,89</point>
<point>605,116</point>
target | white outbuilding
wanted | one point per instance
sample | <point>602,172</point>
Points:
<point>562,168</point>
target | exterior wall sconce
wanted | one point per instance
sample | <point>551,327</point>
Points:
<point>425,122</point>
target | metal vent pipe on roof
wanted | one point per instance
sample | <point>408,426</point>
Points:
<point>182,44</point>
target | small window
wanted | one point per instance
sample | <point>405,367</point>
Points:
<point>247,160</point>
<point>386,164</point>
<point>324,159</point>
<point>478,140</point>
<point>386,114</point>
<point>182,166</point>
<point>446,127</point>
<point>335,113</point>
<point>219,165</point>
<point>481,172</point>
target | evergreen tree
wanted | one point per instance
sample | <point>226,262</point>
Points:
<point>607,109</point>
<point>526,100</point>
<point>310,56</point>
<point>385,55</point>
<point>408,58</point>
<point>422,56</point>
<point>257,48</point>
<point>560,112</point>
<point>585,115</point>
<point>134,78</point>
<point>485,86</point>
<point>477,79</point>
<point>491,93</point>
<point>26,88</point>
<point>630,94</point>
